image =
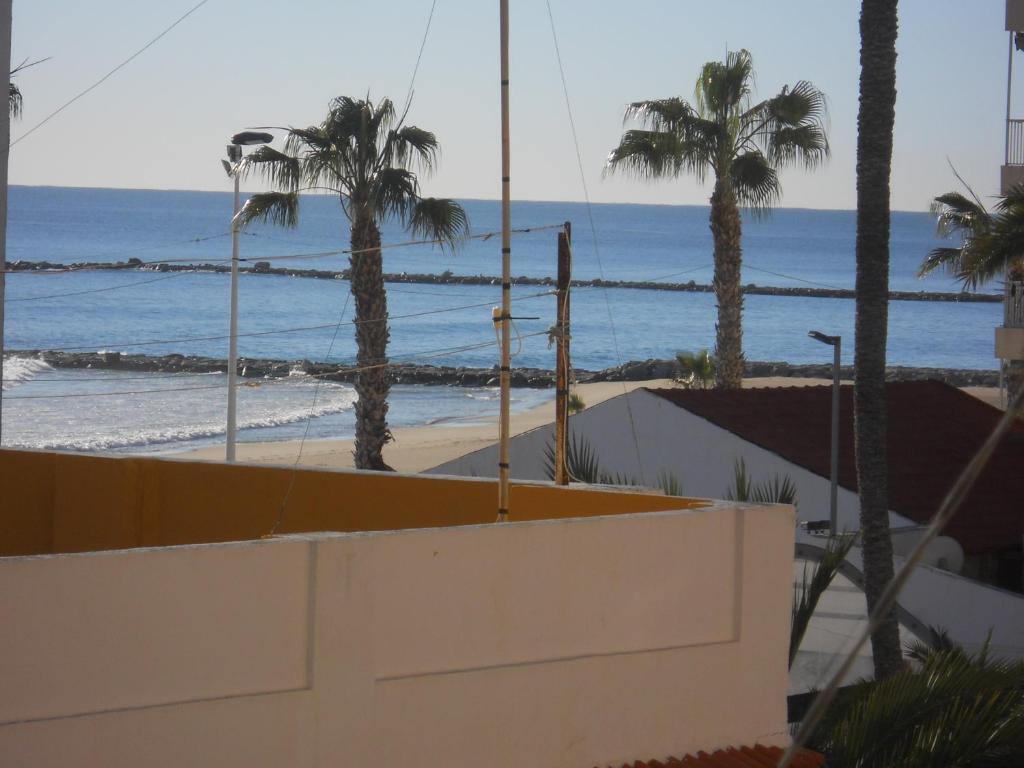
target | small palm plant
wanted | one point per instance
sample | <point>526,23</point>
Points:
<point>367,156</point>
<point>779,490</point>
<point>695,370</point>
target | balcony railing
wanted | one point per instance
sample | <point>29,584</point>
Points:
<point>1015,142</point>
<point>1013,305</point>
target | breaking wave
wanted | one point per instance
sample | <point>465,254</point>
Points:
<point>18,370</point>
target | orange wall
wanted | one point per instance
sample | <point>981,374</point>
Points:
<point>58,502</point>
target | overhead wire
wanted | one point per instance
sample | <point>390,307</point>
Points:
<point>109,74</point>
<point>593,229</point>
<point>276,331</point>
<point>282,257</point>
<point>101,290</point>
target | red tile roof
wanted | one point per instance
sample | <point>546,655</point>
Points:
<point>745,757</point>
<point>934,430</point>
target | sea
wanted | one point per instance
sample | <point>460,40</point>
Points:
<point>291,318</point>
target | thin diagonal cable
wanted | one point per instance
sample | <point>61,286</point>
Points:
<point>593,229</point>
<point>419,57</point>
<point>793,277</point>
<point>103,79</point>
<point>950,504</point>
<point>102,290</point>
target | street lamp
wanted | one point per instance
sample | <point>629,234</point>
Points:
<point>239,140</point>
<point>836,342</point>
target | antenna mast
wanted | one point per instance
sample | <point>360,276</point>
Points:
<point>506,277</point>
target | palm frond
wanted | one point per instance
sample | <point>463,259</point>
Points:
<point>395,193</point>
<point>278,208</point>
<point>409,144</point>
<point>648,154</point>
<point>953,711</point>
<point>14,102</point>
<point>660,114</point>
<point>302,140</point>
<point>945,259</point>
<point>439,219</point>
<point>723,87</point>
<point>813,585</point>
<point>278,168</point>
<point>755,181</point>
<point>805,145</point>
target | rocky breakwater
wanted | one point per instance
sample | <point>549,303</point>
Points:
<point>449,278</point>
<point>400,373</point>
<point>413,373</point>
<point>642,370</point>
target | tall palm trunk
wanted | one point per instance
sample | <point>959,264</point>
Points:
<point>372,334</point>
<point>727,231</point>
<point>878,25</point>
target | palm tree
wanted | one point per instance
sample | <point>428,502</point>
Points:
<point>991,246</point>
<point>878,26</point>
<point>365,154</point>
<point>742,144</point>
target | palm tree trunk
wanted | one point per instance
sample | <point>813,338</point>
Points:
<point>372,334</point>
<point>727,230</point>
<point>1014,373</point>
<point>878,26</point>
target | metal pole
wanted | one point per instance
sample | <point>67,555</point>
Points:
<point>1009,84</point>
<point>506,276</point>
<point>562,356</point>
<point>834,459</point>
<point>5,142</point>
<point>233,332</point>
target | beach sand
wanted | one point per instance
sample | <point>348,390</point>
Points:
<point>418,448</point>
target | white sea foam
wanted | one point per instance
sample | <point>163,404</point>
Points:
<point>18,370</point>
<point>117,419</point>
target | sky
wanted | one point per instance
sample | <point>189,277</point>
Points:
<point>162,122</point>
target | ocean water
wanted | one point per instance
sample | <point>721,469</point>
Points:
<point>295,319</point>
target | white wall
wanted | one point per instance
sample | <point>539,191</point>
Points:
<point>667,438</point>
<point>557,643</point>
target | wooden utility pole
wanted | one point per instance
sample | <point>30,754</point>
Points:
<point>562,362</point>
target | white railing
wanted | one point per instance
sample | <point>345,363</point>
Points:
<point>1015,142</point>
<point>1013,304</point>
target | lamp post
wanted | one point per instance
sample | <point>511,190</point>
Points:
<point>239,140</point>
<point>836,342</point>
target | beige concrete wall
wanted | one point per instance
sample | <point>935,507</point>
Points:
<point>554,643</point>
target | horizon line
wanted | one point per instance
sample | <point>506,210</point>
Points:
<point>467,199</point>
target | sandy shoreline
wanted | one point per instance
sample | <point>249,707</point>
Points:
<point>418,448</point>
